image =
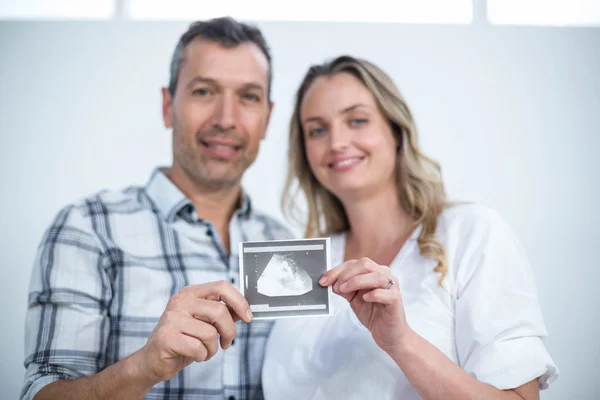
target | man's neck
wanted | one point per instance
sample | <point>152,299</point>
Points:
<point>215,205</point>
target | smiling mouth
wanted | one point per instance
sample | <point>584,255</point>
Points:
<point>220,146</point>
<point>221,150</point>
<point>344,164</point>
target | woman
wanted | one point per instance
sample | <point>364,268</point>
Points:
<point>436,300</point>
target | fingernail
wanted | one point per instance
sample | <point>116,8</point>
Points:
<point>343,286</point>
<point>336,287</point>
<point>228,345</point>
<point>249,315</point>
<point>323,280</point>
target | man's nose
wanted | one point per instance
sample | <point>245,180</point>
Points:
<point>225,115</point>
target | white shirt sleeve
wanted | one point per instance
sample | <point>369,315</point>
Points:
<point>500,332</point>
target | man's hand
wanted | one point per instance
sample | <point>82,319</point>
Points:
<point>187,331</point>
<point>190,327</point>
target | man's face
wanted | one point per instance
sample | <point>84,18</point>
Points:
<point>219,113</point>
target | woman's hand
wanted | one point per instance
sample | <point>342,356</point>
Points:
<point>375,298</point>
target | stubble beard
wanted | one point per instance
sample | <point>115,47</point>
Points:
<point>205,172</point>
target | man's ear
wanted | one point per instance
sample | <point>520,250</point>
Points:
<point>269,111</point>
<point>167,104</point>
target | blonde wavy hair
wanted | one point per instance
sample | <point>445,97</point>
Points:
<point>420,186</point>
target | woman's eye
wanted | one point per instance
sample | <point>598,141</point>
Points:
<point>358,121</point>
<point>315,132</point>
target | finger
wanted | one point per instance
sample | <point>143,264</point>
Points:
<point>367,281</point>
<point>218,315</point>
<point>188,346</point>
<point>200,330</point>
<point>332,276</point>
<point>185,301</point>
<point>225,292</point>
<point>362,266</point>
<point>204,332</point>
<point>233,314</point>
<point>382,296</point>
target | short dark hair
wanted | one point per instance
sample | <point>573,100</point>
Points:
<point>226,31</point>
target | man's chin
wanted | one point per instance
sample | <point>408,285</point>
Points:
<point>219,181</point>
<point>211,174</point>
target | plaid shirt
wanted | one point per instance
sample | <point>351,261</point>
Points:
<point>104,272</point>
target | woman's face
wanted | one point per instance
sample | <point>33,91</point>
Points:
<point>349,143</point>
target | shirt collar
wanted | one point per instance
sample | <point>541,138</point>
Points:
<point>165,195</point>
<point>170,201</point>
<point>246,205</point>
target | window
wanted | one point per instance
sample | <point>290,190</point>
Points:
<point>544,12</point>
<point>406,11</point>
<point>57,9</point>
<point>499,12</point>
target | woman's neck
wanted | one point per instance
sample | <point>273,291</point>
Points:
<point>379,226</point>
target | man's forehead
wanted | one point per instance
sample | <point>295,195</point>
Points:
<point>243,63</point>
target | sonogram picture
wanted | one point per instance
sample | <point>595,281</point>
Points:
<point>281,278</point>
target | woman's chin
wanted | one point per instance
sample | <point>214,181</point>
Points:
<point>348,190</point>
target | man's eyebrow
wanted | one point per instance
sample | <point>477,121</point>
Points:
<point>201,79</point>
<point>253,85</point>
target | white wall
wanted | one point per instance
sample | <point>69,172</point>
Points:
<point>513,115</point>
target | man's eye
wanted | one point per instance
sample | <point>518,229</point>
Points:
<point>251,97</point>
<point>201,92</point>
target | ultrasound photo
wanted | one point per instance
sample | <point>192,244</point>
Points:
<point>280,278</point>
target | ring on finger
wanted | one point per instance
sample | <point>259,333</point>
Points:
<point>390,283</point>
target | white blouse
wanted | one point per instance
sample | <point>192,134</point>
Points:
<point>486,318</point>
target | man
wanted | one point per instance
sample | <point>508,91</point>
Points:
<point>133,292</point>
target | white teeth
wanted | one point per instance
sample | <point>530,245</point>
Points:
<point>221,146</point>
<point>346,162</point>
